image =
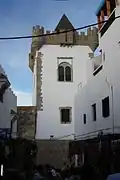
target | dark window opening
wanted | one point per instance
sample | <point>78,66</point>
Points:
<point>84,118</point>
<point>68,73</point>
<point>94,112</point>
<point>65,114</point>
<point>105,107</point>
<point>32,57</point>
<point>1,97</point>
<point>65,72</point>
<point>61,73</point>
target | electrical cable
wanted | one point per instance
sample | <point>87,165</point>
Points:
<point>55,33</point>
<point>82,135</point>
<point>64,136</point>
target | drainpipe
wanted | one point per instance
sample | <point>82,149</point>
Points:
<point>80,86</point>
<point>113,125</point>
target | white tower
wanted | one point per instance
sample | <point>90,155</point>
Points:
<point>58,64</point>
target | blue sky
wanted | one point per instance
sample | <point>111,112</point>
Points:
<point>17,17</point>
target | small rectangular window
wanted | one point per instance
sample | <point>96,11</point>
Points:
<point>94,112</point>
<point>105,107</point>
<point>65,115</point>
<point>1,97</point>
<point>84,118</point>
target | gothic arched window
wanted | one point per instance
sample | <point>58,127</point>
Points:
<point>68,73</point>
<point>65,72</point>
<point>61,73</point>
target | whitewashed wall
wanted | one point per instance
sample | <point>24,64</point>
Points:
<point>59,94</point>
<point>97,87</point>
<point>9,102</point>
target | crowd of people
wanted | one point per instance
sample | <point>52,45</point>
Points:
<point>47,172</point>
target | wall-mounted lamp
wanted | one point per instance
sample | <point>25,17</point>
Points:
<point>51,137</point>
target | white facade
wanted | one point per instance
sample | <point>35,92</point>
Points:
<point>58,94</point>
<point>9,103</point>
<point>105,83</point>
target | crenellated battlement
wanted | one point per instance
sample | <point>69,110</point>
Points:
<point>88,38</point>
<point>75,38</point>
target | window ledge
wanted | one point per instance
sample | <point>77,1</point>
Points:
<point>65,81</point>
<point>68,123</point>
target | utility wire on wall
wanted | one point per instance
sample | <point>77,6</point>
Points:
<point>79,136</point>
<point>64,136</point>
<point>54,33</point>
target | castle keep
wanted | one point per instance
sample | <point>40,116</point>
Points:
<point>58,60</point>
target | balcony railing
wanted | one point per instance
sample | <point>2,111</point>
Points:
<point>108,23</point>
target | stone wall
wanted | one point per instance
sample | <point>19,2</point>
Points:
<point>54,152</point>
<point>26,121</point>
<point>39,98</point>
